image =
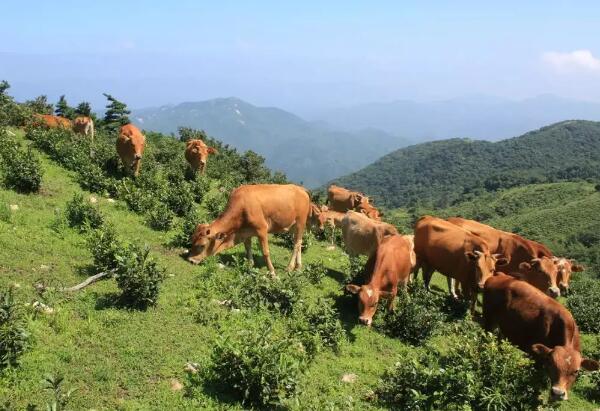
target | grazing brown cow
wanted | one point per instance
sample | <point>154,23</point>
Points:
<point>387,269</point>
<point>255,211</point>
<point>362,235</point>
<point>130,146</point>
<point>565,268</point>
<point>526,259</point>
<point>538,325</point>
<point>454,252</point>
<point>84,125</point>
<point>50,121</point>
<point>367,209</point>
<point>196,153</point>
<point>342,200</point>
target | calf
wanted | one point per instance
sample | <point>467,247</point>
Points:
<point>130,147</point>
<point>362,235</point>
<point>387,269</point>
<point>538,325</point>
<point>85,126</point>
<point>196,154</point>
<point>255,211</point>
<point>565,268</point>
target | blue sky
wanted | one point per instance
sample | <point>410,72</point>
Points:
<point>304,56</point>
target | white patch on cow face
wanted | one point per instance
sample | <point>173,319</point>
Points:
<point>369,292</point>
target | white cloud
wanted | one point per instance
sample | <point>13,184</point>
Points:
<point>578,60</point>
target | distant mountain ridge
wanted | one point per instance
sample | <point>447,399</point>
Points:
<point>307,152</point>
<point>479,117</point>
<point>441,173</point>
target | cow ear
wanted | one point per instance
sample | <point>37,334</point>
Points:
<point>590,365</point>
<point>525,266</point>
<point>212,151</point>
<point>541,350</point>
<point>471,255</point>
<point>351,288</point>
<point>577,268</point>
<point>502,261</point>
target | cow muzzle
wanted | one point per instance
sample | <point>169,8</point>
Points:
<point>138,156</point>
<point>558,394</point>
<point>365,321</point>
<point>554,292</point>
<point>564,288</point>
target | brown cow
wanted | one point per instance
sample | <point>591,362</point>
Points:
<point>255,211</point>
<point>342,200</point>
<point>454,252</point>
<point>526,259</point>
<point>369,210</point>
<point>538,325</point>
<point>51,121</point>
<point>565,268</point>
<point>362,235</point>
<point>84,125</point>
<point>130,146</point>
<point>387,269</point>
<point>196,153</point>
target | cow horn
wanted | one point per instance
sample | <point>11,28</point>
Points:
<point>479,253</point>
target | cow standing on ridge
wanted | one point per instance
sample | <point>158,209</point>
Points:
<point>130,147</point>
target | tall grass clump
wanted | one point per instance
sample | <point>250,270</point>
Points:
<point>14,337</point>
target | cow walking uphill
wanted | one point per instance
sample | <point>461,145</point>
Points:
<point>454,252</point>
<point>386,270</point>
<point>130,147</point>
<point>196,154</point>
<point>538,325</point>
<point>342,200</point>
<point>255,211</point>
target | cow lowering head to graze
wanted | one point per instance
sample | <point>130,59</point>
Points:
<point>368,210</point>
<point>50,121</point>
<point>362,235</point>
<point>196,154</point>
<point>85,126</point>
<point>130,147</point>
<point>342,200</point>
<point>538,325</point>
<point>386,270</point>
<point>526,259</point>
<point>255,211</point>
<point>456,253</point>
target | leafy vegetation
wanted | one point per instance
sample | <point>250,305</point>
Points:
<point>584,304</point>
<point>82,214</point>
<point>14,337</point>
<point>20,169</point>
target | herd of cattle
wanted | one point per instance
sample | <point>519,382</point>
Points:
<point>520,278</point>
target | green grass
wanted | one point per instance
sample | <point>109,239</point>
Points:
<point>120,359</point>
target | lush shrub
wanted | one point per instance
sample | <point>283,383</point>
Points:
<point>160,218</point>
<point>418,314</point>
<point>139,277</point>
<point>105,246</point>
<point>354,270</point>
<point>584,303</point>
<point>471,370</point>
<point>315,272</point>
<point>216,201</point>
<point>20,170</point>
<point>317,325</point>
<point>185,230</point>
<point>14,338</point>
<point>82,214</point>
<point>200,185</point>
<point>260,365</point>
<point>180,198</point>
<point>287,239</point>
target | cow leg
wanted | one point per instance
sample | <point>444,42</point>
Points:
<point>248,246</point>
<point>392,300</point>
<point>452,287</point>
<point>263,239</point>
<point>427,273</point>
<point>296,260</point>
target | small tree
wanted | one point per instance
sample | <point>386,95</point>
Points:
<point>63,109</point>
<point>252,167</point>
<point>116,114</point>
<point>84,109</point>
<point>40,105</point>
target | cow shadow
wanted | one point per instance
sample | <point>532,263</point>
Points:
<point>346,306</point>
<point>235,259</point>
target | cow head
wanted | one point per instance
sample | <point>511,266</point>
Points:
<point>206,242</point>
<point>357,199</point>
<point>563,364</point>
<point>565,268</point>
<point>198,153</point>
<point>542,273</point>
<point>370,211</point>
<point>317,217</point>
<point>484,265</point>
<point>368,298</point>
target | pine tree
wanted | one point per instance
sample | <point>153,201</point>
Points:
<point>84,109</point>
<point>63,109</point>
<point>116,113</point>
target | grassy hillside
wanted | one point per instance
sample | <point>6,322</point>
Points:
<point>306,152</point>
<point>128,359</point>
<point>441,173</point>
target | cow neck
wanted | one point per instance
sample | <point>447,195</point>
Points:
<point>226,223</point>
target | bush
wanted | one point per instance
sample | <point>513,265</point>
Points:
<point>317,325</point>
<point>82,214</point>
<point>215,202</point>
<point>584,303</point>
<point>185,230</point>
<point>139,277</point>
<point>200,185</point>
<point>14,338</point>
<point>21,170</point>
<point>287,239</point>
<point>260,365</point>
<point>315,272</point>
<point>418,314</point>
<point>105,246</point>
<point>160,218</point>
<point>474,370</point>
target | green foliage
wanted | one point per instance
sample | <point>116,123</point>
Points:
<point>84,109</point>
<point>317,325</point>
<point>20,169</point>
<point>116,114</point>
<point>105,246</point>
<point>63,109</point>
<point>441,173</point>
<point>473,370</point>
<point>260,365</point>
<point>418,314</point>
<point>160,218</point>
<point>83,214</point>
<point>14,337</point>
<point>11,113</point>
<point>60,397</point>
<point>185,230</point>
<point>216,201</point>
<point>287,239</point>
<point>584,303</point>
<point>40,105</point>
<point>315,272</point>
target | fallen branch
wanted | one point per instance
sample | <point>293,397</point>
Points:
<point>88,281</point>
